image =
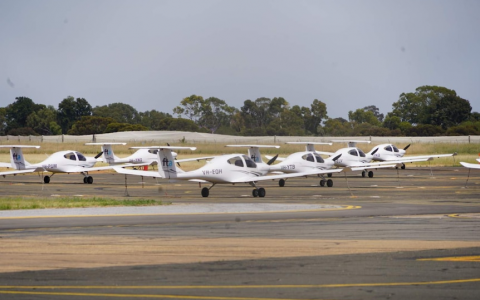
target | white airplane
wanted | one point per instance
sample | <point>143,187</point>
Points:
<point>141,156</point>
<point>355,159</point>
<point>224,169</point>
<point>305,161</point>
<point>389,152</point>
<point>68,161</point>
<point>471,166</point>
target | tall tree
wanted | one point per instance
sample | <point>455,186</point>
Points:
<point>191,107</point>
<point>18,112</point>
<point>71,110</point>
<point>44,121</point>
<point>120,112</point>
<point>152,118</point>
<point>215,113</point>
<point>448,111</point>
<point>376,111</point>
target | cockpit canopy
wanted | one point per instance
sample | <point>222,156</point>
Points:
<point>391,148</point>
<point>313,157</point>
<point>75,156</point>
<point>241,161</point>
<point>356,152</point>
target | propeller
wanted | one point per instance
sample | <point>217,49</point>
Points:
<point>406,147</point>
<point>98,155</point>
<point>374,151</point>
<point>271,161</point>
<point>336,157</point>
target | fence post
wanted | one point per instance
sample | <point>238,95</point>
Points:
<point>62,138</point>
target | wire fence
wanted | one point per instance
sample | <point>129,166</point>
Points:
<point>180,137</point>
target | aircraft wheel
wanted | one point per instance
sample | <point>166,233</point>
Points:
<point>322,182</point>
<point>261,192</point>
<point>281,182</point>
<point>329,174</point>
<point>85,179</point>
<point>255,193</point>
<point>329,183</point>
<point>46,179</point>
<point>363,173</point>
<point>205,192</point>
<point>89,179</point>
<point>370,174</point>
<point>403,166</point>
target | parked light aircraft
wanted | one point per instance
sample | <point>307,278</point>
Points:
<point>141,157</point>
<point>68,161</point>
<point>356,159</point>
<point>389,152</point>
<point>305,161</point>
<point>224,169</point>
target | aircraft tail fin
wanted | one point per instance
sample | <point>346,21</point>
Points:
<point>17,159</point>
<point>166,164</point>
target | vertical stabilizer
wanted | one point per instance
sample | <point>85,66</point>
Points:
<point>17,159</point>
<point>254,154</point>
<point>108,155</point>
<point>166,164</point>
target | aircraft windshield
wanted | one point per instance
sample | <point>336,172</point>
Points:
<point>250,163</point>
<point>236,161</point>
<point>353,152</point>
<point>362,154</point>
<point>319,158</point>
<point>395,149</point>
<point>70,156</point>
<point>308,157</point>
<point>388,148</point>
<point>81,157</point>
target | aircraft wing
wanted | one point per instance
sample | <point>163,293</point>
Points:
<point>81,169</point>
<point>354,169</point>
<point>194,159</point>
<point>290,175</point>
<point>5,165</point>
<point>16,172</point>
<point>421,157</point>
<point>138,172</point>
<point>470,166</point>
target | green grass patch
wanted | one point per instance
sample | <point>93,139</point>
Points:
<point>11,203</point>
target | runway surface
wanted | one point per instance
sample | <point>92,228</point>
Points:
<point>412,235</point>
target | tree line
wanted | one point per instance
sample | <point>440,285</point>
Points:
<point>429,111</point>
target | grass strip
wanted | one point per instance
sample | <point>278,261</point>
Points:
<point>13,203</point>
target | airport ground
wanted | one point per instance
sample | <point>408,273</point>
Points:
<point>408,235</point>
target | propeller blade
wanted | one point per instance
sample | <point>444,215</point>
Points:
<point>98,155</point>
<point>374,151</point>
<point>406,147</point>
<point>271,161</point>
<point>178,164</point>
<point>336,157</point>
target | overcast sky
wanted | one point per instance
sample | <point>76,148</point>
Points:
<point>152,54</point>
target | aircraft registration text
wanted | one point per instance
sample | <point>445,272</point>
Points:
<point>212,172</point>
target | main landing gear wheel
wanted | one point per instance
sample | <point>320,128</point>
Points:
<point>255,193</point>
<point>46,179</point>
<point>261,192</point>
<point>403,166</point>
<point>322,182</point>
<point>205,192</point>
<point>329,183</point>
<point>281,182</point>
<point>364,173</point>
<point>88,179</point>
<point>370,174</point>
